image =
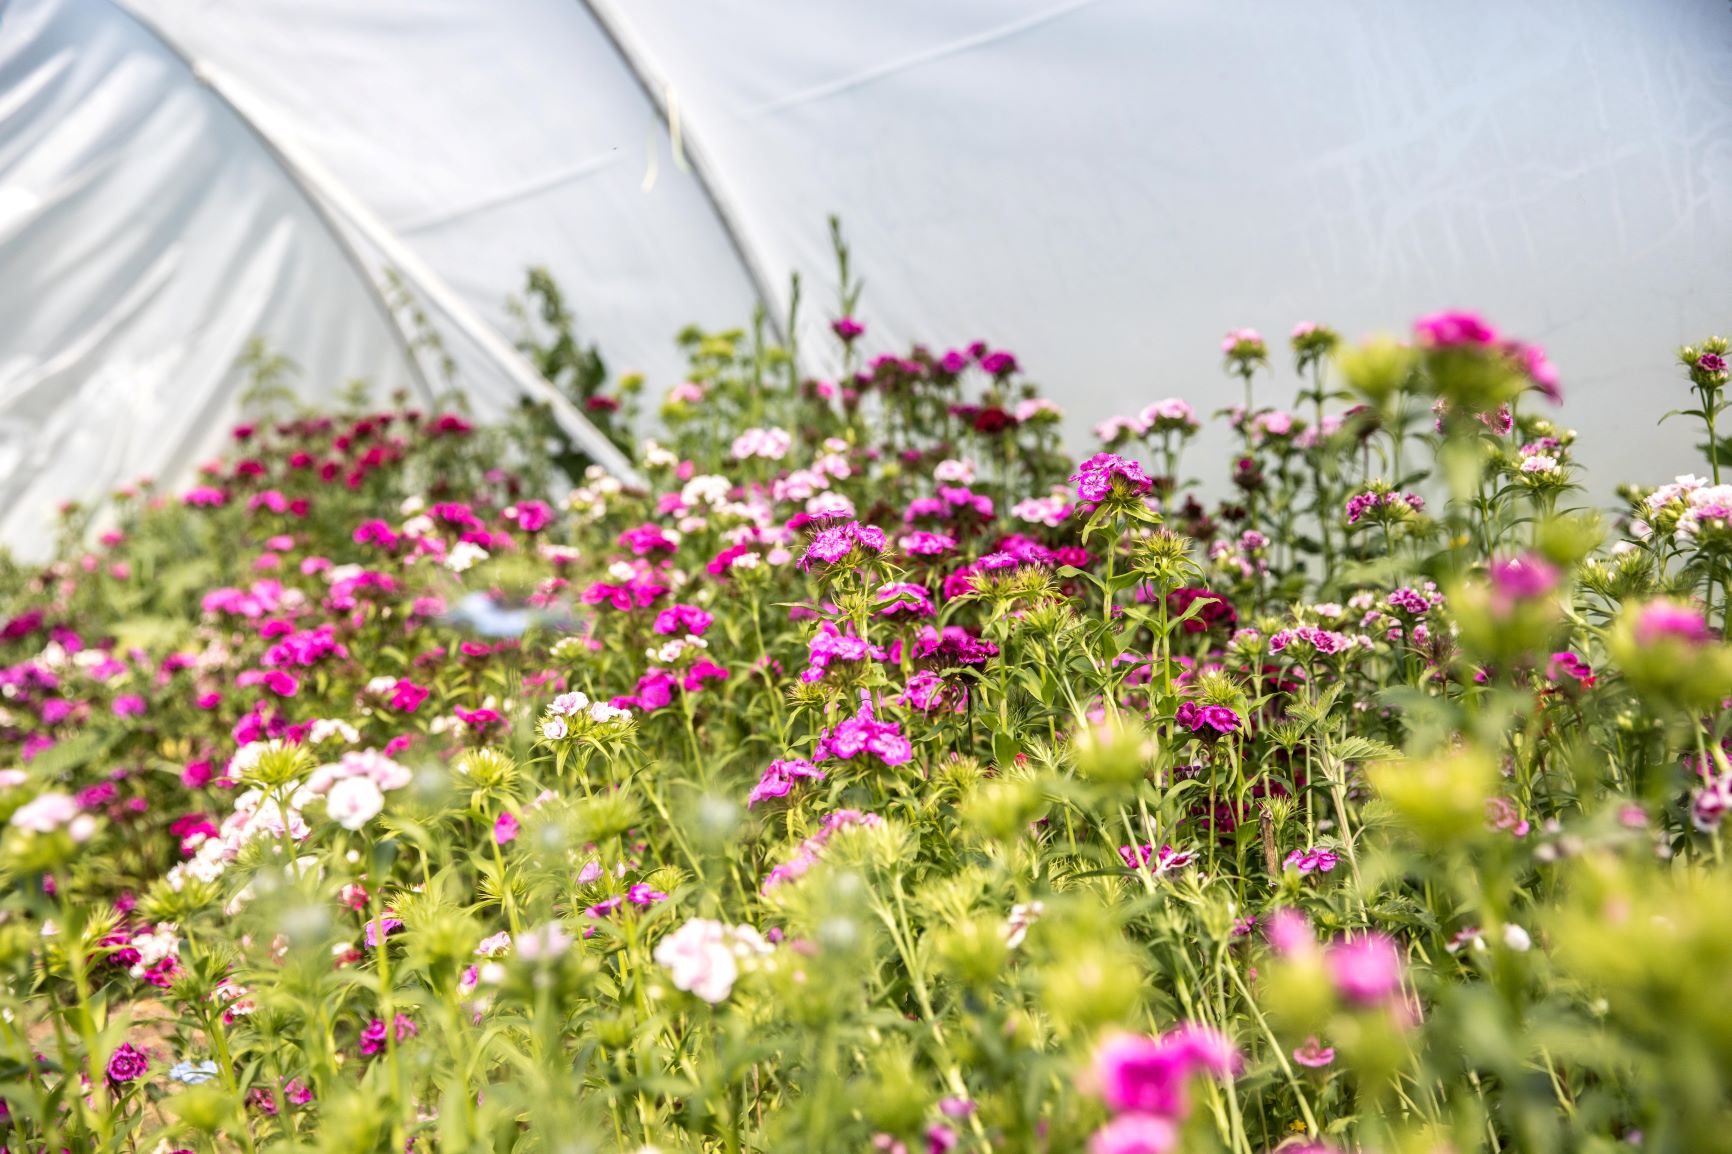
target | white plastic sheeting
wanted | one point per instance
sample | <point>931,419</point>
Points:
<point>1103,186</point>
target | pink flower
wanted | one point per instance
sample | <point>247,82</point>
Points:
<point>779,777</point>
<point>682,619</point>
<point>1314,1054</point>
<point>505,829</point>
<point>1289,933</point>
<point>1365,967</point>
<point>1135,1134</point>
<point>1660,620</point>
<point>1521,579</point>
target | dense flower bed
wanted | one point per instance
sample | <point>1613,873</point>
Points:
<point>879,779</point>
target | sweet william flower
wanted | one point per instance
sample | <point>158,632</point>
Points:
<point>1314,1054</point>
<point>373,1036</point>
<point>1365,967</point>
<point>354,801</point>
<point>126,1064</point>
<point>406,696</point>
<point>779,777</point>
<point>1104,474</point>
<point>835,544</point>
<point>704,957</point>
<point>45,813</point>
<point>1207,721</point>
<point>1135,1074</point>
<point>1135,1134</point>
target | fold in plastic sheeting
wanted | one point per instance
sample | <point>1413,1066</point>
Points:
<point>146,239</point>
<point>491,137</point>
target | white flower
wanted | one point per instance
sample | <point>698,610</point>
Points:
<point>465,555</point>
<point>553,728</point>
<point>45,813</point>
<point>703,957</point>
<point>655,456</point>
<point>12,777</point>
<point>421,526</point>
<point>706,490</point>
<point>543,943</point>
<point>1539,463</point>
<point>412,506</point>
<point>1517,938</point>
<point>1022,916</point>
<point>830,505</point>
<point>567,704</point>
<point>161,942</point>
<point>493,945</point>
<point>954,472</point>
<point>326,728</point>
<point>746,561</point>
<point>354,801</point>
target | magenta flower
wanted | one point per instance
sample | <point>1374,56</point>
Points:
<point>1661,620</point>
<point>376,533</point>
<point>126,1064</point>
<point>836,544</point>
<point>1451,329</point>
<point>848,329</point>
<point>406,696</point>
<point>373,1036</point>
<point>531,516</point>
<point>388,925</point>
<point>905,599</point>
<point>682,619</point>
<point>1711,363</point>
<point>648,539</point>
<point>1142,1075</point>
<point>779,777</point>
<point>505,828</point>
<point>1208,721</point>
<point>854,736</point>
<point>1365,967</point>
<point>1104,473</point>
<point>1313,860</point>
